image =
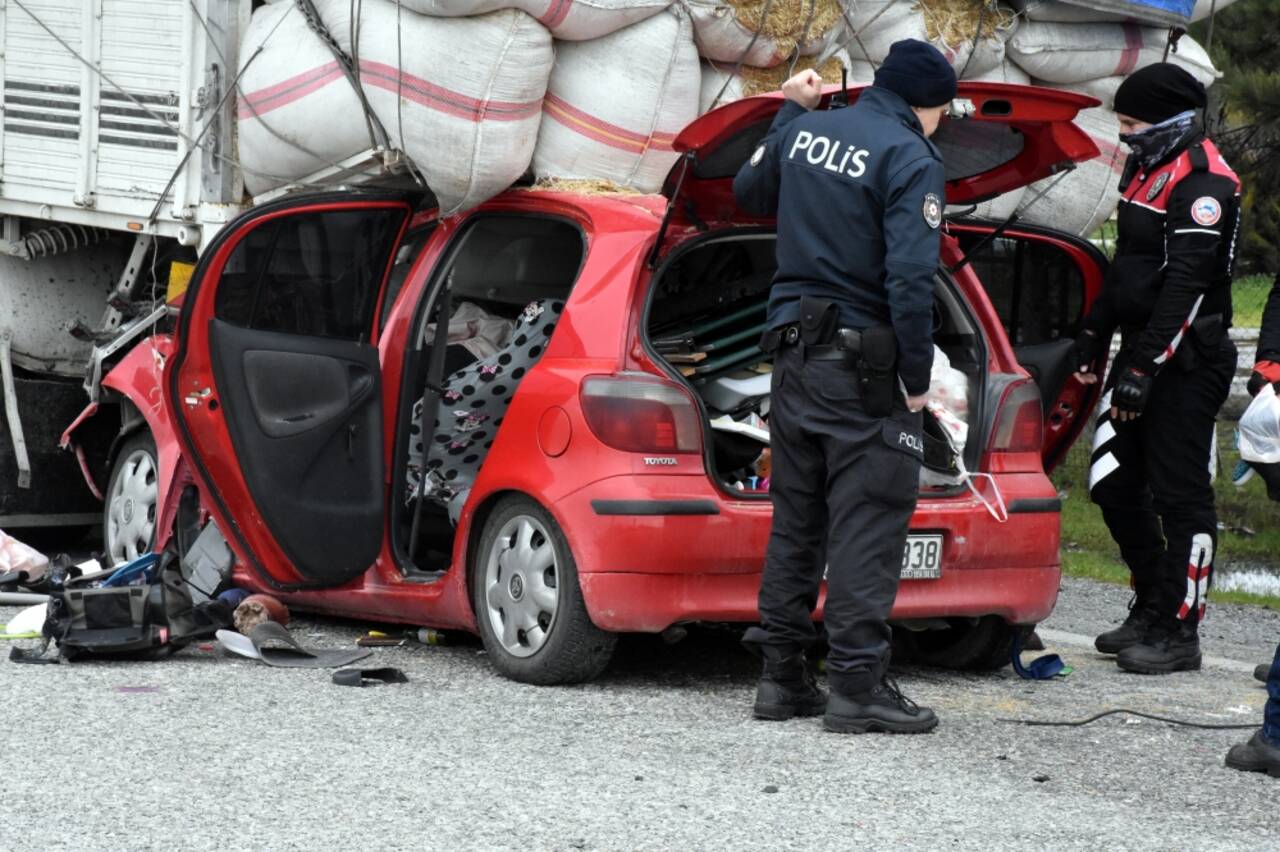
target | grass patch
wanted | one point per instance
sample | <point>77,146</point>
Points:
<point>1251,534</point>
<point>1248,298</point>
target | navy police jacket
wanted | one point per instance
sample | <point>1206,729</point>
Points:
<point>1177,226</point>
<point>858,196</point>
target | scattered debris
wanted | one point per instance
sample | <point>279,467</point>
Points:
<point>369,677</point>
<point>259,609</point>
<point>271,643</point>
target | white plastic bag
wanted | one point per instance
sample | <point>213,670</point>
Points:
<point>16,556</point>
<point>1260,428</point>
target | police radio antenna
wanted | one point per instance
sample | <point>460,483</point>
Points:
<point>841,98</point>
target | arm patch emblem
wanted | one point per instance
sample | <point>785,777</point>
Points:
<point>932,210</point>
<point>1206,210</point>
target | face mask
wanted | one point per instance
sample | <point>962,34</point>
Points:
<point>952,433</point>
<point>1152,145</point>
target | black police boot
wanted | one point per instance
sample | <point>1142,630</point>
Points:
<point>1164,649</point>
<point>1257,755</point>
<point>883,709</point>
<point>1135,626</point>
<point>1261,672</point>
<point>788,689</point>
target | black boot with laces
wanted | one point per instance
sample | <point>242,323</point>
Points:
<point>884,709</point>
<point>1131,632</point>
<point>787,689</point>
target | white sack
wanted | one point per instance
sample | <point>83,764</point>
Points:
<point>721,86</point>
<point>465,110</point>
<point>614,105</point>
<point>1260,428</point>
<point>721,36</point>
<point>880,23</point>
<point>570,20</point>
<point>1087,196</point>
<point>1073,53</point>
<point>1005,72</point>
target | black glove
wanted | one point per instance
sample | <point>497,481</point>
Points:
<point>1131,390</point>
<point>1264,372</point>
<point>1087,349</point>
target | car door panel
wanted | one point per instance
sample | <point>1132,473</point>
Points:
<point>306,426</point>
<point>1041,283</point>
<point>276,383</point>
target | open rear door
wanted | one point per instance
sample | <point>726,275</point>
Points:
<point>1041,283</point>
<point>275,384</point>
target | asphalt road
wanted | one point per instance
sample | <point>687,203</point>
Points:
<point>203,751</point>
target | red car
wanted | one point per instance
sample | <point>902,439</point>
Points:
<point>568,484</point>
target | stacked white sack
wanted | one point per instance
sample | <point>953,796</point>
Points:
<point>615,104</point>
<point>1087,196</point>
<point>465,108</point>
<point>1067,54</point>
<point>732,30</point>
<point>720,85</point>
<point>569,20</point>
<point>948,25</point>
<point>1074,13</point>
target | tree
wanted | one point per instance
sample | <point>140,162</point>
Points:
<point>1244,118</point>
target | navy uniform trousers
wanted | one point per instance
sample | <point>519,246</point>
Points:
<point>844,485</point>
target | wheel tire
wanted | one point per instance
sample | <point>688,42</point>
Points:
<point>985,645</point>
<point>130,504</point>
<point>545,636</point>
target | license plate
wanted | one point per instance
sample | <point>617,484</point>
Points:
<point>922,557</point>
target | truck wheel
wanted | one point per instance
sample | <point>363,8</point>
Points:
<point>129,513</point>
<point>528,605</point>
<point>985,645</point>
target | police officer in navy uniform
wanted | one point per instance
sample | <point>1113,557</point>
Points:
<point>858,195</point>
<point>1261,753</point>
<point>1168,290</point>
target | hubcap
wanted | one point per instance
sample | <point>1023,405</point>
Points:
<point>521,585</point>
<point>131,515</point>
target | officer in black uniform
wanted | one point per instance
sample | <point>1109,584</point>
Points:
<point>858,195</point>
<point>1168,290</point>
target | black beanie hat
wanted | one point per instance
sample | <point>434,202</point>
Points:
<point>1159,92</point>
<point>918,73</point>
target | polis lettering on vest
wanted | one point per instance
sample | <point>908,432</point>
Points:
<point>911,441</point>
<point>819,148</point>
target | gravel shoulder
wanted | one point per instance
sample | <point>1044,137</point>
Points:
<point>226,753</point>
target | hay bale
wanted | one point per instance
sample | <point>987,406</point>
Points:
<point>739,31</point>
<point>583,187</point>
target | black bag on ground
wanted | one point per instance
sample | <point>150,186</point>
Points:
<point>147,621</point>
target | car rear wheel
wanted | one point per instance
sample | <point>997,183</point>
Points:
<point>982,645</point>
<point>129,513</point>
<point>532,619</point>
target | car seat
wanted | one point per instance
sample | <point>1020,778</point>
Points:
<point>471,409</point>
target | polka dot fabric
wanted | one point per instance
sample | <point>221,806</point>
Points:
<point>471,409</point>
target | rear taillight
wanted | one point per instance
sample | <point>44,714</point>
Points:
<point>641,414</point>
<point>1019,423</point>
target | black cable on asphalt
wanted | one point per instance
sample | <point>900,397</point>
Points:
<point>1208,726</point>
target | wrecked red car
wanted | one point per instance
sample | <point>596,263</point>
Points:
<point>534,420</point>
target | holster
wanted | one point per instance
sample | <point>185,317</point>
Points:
<point>877,373</point>
<point>1202,339</point>
<point>818,318</point>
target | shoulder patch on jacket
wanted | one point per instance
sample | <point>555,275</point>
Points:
<point>932,210</point>
<point>757,155</point>
<point>1206,210</point>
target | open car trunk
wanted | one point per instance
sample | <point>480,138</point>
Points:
<point>704,319</point>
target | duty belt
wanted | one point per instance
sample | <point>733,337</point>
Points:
<point>846,340</point>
